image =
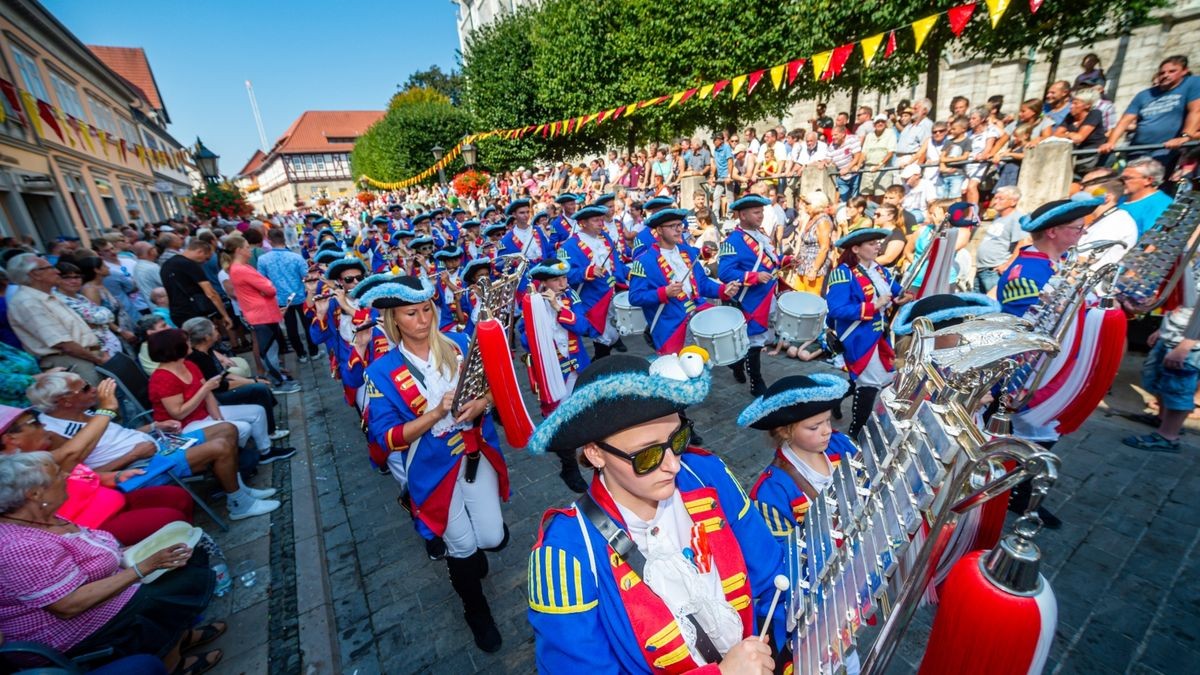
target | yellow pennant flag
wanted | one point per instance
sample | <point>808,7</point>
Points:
<point>736,85</point>
<point>922,27</point>
<point>32,111</point>
<point>996,9</point>
<point>705,91</point>
<point>777,75</point>
<point>3,115</point>
<point>870,46</point>
<point>820,62</point>
<point>103,135</point>
<point>675,99</point>
<point>66,127</point>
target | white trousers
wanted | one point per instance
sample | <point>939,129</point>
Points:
<point>250,420</point>
<point>475,520</point>
<point>875,375</point>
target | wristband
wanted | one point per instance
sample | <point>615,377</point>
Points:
<point>111,414</point>
<point>137,571</point>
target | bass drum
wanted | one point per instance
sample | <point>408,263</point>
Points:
<point>800,316</point>
<point>628,319</point>
<point>722,332</point>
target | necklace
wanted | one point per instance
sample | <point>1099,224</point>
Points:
<point>34,522</point>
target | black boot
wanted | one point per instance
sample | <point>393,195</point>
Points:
<point>619,345</point>
<point>739,371</point>
<point>570,471</point>
<point>860,410</point>
<point>600,350</point>
<point>465,576</point>
<point>837,410</point>
<point>754,369</point>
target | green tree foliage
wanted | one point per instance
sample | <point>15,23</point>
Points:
<point>399,145</point>
<point>417,95</point>
<point>448,84</point>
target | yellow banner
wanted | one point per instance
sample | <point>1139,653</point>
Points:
<point>870,46</point>
<point>32,111</point>
<point>736,85</point>
<point>922,27</point>
<point>820,62</point>
<point>777,75</point>
<point>996,9</point>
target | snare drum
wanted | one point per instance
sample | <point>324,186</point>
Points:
<point>800,316</point>
<point>722,332</point>
<point>628,319</point>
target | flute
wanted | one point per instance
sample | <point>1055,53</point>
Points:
<point>368,326</point>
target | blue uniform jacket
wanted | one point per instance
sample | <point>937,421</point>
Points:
<point>738,260</point>
<point>579,620</point>
<point>1022,282</point>
<point>593,284</point>
<point>850,296</point>
<point>648,279</point>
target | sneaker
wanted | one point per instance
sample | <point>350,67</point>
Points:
<point>259,493</point>
<point>274,454</point>
<point>280,434</point>
<point>248,507</point>
<point>286,387</point>
<point>1152,442</point>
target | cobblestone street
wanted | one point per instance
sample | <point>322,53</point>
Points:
<point>364,598</point>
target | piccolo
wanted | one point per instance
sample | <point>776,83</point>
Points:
<point>368,326</point>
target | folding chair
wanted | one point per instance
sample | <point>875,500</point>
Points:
<point>59,663</point>
<point>133,393</point>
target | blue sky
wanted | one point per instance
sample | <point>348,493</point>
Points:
<point>300,55</point>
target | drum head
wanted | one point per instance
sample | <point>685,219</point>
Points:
<point>622,300</point>
<point>799,303</point>
<point>716,321</point>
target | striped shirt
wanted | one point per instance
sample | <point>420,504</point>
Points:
<point>843,155</point>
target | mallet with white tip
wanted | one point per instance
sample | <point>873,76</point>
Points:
<point>781,585</point>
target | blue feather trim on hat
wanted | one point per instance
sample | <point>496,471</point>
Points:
<point>622,385</point>
<point>981,304</point>
<point>1055,216</point>
<point>833,388</point>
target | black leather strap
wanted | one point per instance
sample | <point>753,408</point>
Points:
<point>623,545</point>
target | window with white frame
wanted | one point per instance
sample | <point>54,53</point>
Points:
<point>83,200</point>
<point>127,130</point>
<point>102,116</point>
<point>31,74</point>
<point>68,96</point>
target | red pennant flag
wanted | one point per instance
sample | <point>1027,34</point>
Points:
<point>617,113</point>
<point>601,116</point>
<point>837,61</point>
<point>47,115</point>
<point>567,127</point>
<point>754,78</point>
<point>891,44</point>
<point>121,146</point>
<point>1034,6</point>
<point>688,94</point>
<point>959,16</point>
<point>718,87</point>
<point>793,69</point>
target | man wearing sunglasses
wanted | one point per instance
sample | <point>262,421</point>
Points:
<point>664,531</point>
<point>47,328</point>
<point>330,308</point>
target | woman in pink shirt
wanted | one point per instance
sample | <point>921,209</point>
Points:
<point>256,297</point>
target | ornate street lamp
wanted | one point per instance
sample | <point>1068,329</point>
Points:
<point>469,153</point>
<point>438,152</point>
<point>207,163</point>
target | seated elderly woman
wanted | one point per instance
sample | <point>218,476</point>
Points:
<point>234,389</point>
<point>65,400</point>
<point>179,391</point>
<point>146,326</point>
<point>63,585</point>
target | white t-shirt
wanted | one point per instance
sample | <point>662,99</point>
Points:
<point>918,198</point>
<point>803,156</point>
<point>116,442</point>
<point>1116,225</point>
<point>781,152</point>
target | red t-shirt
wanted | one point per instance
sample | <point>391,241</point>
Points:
<point>164,383</point>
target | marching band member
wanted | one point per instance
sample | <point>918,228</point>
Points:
<point>332,313</point>
<point>796,412</point>
<point>523,239</point>
<point>371,244</point>
<point>552,331</point>
<point>596,269</point>
<point>449,287</point>
<point>859,293</point>
<point>748,256</point>
<point>662,566</point>
<point>669,282</point>
<point>396,221</point>
<point>422,263</point>
<point>472,240</point>
<point>645,237</point>
<point>1055,227</point>
<point>564,223</point>
<point>493,235</point>
<point>451,465</point>
<point>490,215</point>
<point>615,227</point>
<point>476,271</point>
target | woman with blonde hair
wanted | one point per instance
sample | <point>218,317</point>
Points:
<point>811,243</point>
<point>448,461</point>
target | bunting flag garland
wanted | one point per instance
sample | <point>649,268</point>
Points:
<point>14,100</point>
<point>826,65</point>
<point>754,79</point>
<point>819,63</point>
<point>31,109</point>
<point>123,148</point>
<point>737,85</point>
<point>47,115</point>
<point>870,46</point>
<point>3,115</point>
<point>921,28</point>
<point>103,136</point>
<point>996,9</point>
<point>959,16</point>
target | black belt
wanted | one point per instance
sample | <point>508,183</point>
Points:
<point>620,543</point>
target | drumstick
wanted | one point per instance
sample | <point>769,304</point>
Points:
<point>781,585</point>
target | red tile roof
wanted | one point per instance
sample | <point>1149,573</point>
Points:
<point>255,163</point>
<point>312,131</point>
<point>131,64</point>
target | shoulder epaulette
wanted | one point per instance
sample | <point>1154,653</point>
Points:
<point>556,582</point>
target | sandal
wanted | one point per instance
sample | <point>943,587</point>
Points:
<point>1153,442</point>
<point>197,664</point>
<point>198,637</point>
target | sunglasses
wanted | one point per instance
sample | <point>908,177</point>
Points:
<point>84,389</point>
<point>352,279</point>
<point>72,276</point>
<point>43,268</point>
<point>19,427</point>
<point>649,458</point>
